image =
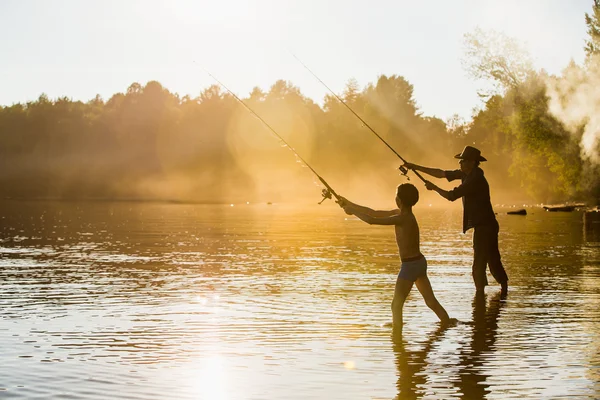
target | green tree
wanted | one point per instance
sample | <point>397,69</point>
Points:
<point>592,21</point>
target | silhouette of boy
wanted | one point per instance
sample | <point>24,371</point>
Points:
<point>413,269</point>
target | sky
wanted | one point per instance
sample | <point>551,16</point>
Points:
<point>79,48</point>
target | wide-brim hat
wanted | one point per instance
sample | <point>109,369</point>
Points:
<point>470,153</point>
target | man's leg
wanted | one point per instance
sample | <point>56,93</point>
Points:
<point>480,256</point>
<point>401,292</point>
<point>424,287</point>
<point>495,263</point>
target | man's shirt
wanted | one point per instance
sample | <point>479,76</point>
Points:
<point>475,193</point>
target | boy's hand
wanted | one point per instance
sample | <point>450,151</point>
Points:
<point>343,202</point>
<point>409,165</point>
<point>348,209</point>
<point>430,186</point>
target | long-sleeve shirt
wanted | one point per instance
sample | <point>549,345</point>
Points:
<point>475,193</point>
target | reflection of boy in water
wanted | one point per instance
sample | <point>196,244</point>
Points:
<point>414,265</point>
<point>412,381</point>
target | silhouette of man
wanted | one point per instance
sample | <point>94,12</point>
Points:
<point>477,213</point>
<point>472,382</point>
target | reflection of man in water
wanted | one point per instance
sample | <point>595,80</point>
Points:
<point>412,382</point>
<point>477,213</point>
<point>485,327</point>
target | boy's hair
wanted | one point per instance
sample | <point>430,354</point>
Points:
<point>407,194</point>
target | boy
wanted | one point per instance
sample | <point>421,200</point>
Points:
<point>414,265</point>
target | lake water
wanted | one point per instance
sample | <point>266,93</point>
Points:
<point>170,301</point>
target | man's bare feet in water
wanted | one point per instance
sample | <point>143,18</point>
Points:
<point>504,290</point>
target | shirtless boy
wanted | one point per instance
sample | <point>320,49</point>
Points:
<point>414,265</point>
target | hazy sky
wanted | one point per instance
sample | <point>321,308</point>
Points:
<point>80,48</point>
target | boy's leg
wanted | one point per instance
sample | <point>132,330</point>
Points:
<point>424,287</point>
<point>401,292</point>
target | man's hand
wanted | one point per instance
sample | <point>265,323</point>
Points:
<point>430,186</point>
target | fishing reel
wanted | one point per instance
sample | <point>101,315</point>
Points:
<point>326,193</point>
<point>404,172</point>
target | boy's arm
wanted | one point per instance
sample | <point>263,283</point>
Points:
<point>395,219</point>
<point>355,208</point>
<point>373,213</point>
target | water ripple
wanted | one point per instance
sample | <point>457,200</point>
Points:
<point>157,301</point>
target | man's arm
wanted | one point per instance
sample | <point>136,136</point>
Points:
<point>435,172</point>
<point>468,186</point>
<point>444,193</point>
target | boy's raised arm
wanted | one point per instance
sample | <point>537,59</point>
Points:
<point>354,208</point>
<point>395,219</point>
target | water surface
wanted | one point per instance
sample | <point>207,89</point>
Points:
<point>155,301</point>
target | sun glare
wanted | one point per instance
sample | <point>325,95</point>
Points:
<point>212,379</point>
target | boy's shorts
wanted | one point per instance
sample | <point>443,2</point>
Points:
<point>413,269</point>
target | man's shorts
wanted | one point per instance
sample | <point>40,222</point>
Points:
<point>413,269</point>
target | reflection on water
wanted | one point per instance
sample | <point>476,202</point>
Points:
<point>157,301</point>
<point>412,363</point>
<point>474,374</point>
<point>471,370</point>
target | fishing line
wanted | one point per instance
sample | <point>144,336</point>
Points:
<point>328,192</point>
<point>402,169</point>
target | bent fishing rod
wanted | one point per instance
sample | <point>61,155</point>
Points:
<point>328,192</point>
<point>402,169</point>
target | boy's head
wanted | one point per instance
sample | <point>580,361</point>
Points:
<point>407,195</point>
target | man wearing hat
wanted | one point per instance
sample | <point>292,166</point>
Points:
<point>477,213</point>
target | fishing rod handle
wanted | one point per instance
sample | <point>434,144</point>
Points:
<point>405,170</point>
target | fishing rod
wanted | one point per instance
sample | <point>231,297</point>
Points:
<point>328,192</point>
<point>402,169</point>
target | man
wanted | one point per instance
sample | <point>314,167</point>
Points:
<point>477,213</point>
